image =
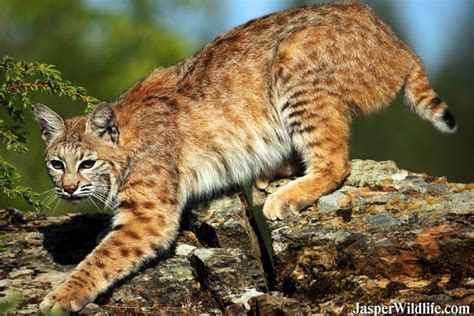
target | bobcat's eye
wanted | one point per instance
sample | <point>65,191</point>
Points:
<point>87,164</point>
<point>57,164</point>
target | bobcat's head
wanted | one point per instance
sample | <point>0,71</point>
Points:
<point>81,153</point>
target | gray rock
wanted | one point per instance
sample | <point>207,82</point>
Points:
<point>171,286</point>
<point>270,305</point>
<point>228,272</point>
<point>52,277</point>
<point>20,273</point>
<point>223,223</point>
<point>366,172</point>
<point>184,250</point>
<point>329,203</point>
<point>382,219</point>
<point>34,236</point>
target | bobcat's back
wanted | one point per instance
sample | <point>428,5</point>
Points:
<point>255,93</point>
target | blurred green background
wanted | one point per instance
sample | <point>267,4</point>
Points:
<point>106,46</point>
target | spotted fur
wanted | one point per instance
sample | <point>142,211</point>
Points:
<point>281,86</point>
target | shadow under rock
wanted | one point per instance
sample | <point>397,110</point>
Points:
<point>71,241</point>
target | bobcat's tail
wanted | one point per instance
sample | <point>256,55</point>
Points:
<point>424,101</point>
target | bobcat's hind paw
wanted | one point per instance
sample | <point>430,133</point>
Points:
<point>262,183</point>
<point>258,196</point>
<point>276,207</point>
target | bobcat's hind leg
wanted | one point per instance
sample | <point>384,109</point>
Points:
<point>321,133</point>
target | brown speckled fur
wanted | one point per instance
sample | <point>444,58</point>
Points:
<point>279,86</point>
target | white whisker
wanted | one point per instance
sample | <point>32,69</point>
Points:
<point>99,198</point>
<point>48,200</point>
<point>56,205</point>
<point>96,206</point>
<point>46,192</point>
<point>104,198</point>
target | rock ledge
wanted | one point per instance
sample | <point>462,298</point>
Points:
<point>385,236</point>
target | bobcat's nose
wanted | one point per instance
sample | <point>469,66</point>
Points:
<point>70,188</point>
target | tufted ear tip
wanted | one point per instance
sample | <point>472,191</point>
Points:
<point>102,122</point>
<point>51,124</point>
<point>40,109</point>
<point>102,106</point>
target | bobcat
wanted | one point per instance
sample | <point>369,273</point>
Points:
<point>282,85</point>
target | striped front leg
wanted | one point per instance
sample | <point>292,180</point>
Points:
<point>141,227</point>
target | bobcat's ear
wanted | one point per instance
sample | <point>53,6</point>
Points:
<point>51,124</point>
<point>102,123</point>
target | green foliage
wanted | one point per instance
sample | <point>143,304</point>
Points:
<point>19,81</point>
<point>21,78</point>
<point>10,302</point>
<point>104,46</point>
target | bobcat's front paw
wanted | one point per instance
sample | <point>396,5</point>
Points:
<point>66,299</point>
<point>278,207</point>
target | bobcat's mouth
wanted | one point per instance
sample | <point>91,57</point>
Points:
<point>75,199</point>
